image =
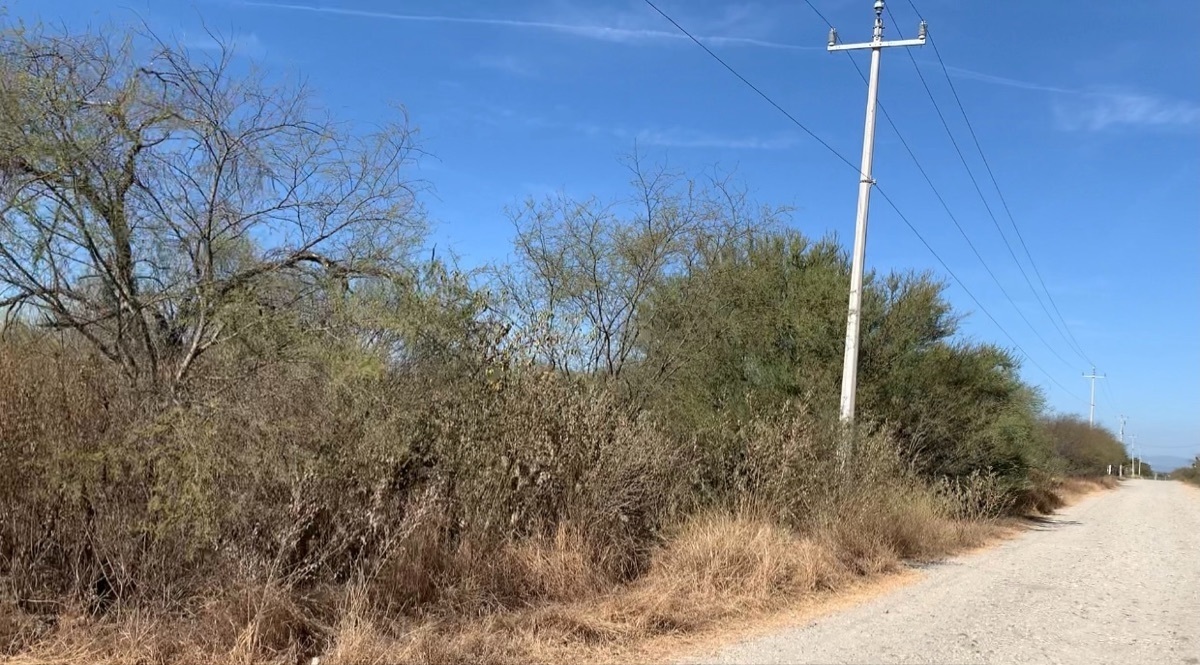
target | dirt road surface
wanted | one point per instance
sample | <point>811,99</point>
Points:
<point>1112,579</point>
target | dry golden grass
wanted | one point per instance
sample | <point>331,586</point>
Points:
<point>719,569</point>
<point>716,572</point>
<point>1071,489</point>
<point>720,572</point>
<point>715,569</point>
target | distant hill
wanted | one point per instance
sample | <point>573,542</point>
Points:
<point>1168,463</point>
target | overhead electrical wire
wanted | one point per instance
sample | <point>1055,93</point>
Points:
<point>1110,396</point>
<point>945,206</point>
<point>878,188</point>
<point>963,286</point>
<point>1000,194</point>
<point>987,206</point>
<point>753,87</point>
<point>1069,336</point>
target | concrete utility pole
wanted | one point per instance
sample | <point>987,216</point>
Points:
<point>865,182</point>
<point>1134,462</point>
<point>1092,411</point>
<point>1122,436</point>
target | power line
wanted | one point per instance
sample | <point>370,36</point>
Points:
<point>820,15</point>
<point>979,190</point>
<point>1110,396</point>
<point>971,295</point>
<point>945,206</point>
<point>753,87</point>
<point>1008,211</point>
<point>882,193</point>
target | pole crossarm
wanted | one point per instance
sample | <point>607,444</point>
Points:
<point>920,41</point>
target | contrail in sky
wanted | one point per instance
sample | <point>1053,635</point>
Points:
<point>598,32</point>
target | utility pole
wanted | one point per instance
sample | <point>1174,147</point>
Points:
<point>1123,421</point>
<point>1092,411</point>
<point>865,182</point>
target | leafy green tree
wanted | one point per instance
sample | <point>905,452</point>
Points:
<point>754,325</point>
<point>761,324</point>
<point>961,407</point>
<point>1084,449</point>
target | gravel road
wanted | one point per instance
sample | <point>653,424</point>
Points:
<point>1112,579</point>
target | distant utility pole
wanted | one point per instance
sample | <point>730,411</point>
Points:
<point>1092,411</point>
<point>1134,461</point>
<point>1123,421</point>
<point>865,182</point>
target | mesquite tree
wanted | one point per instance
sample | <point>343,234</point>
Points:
<point>152,199</point>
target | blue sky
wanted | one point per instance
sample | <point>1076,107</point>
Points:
<point>1088,113</point>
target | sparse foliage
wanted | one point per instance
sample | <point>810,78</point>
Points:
<point>156,206</point>
<point>586,269</point>
<point>1189,474</point>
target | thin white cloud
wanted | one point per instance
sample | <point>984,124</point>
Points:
<point>680,138</point>
<point>596,32</point>
<point>668,137</point>
<point>1099,111</point>
<point>247,44</point>
<point>506,64</point>
<point>959,72</point>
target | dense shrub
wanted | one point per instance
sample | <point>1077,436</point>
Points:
<point>1083,449</point>
<point>761,325</point>
<point>1189,474</point>
<point>295,475</point>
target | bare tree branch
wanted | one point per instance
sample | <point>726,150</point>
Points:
<point>142,201</point>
